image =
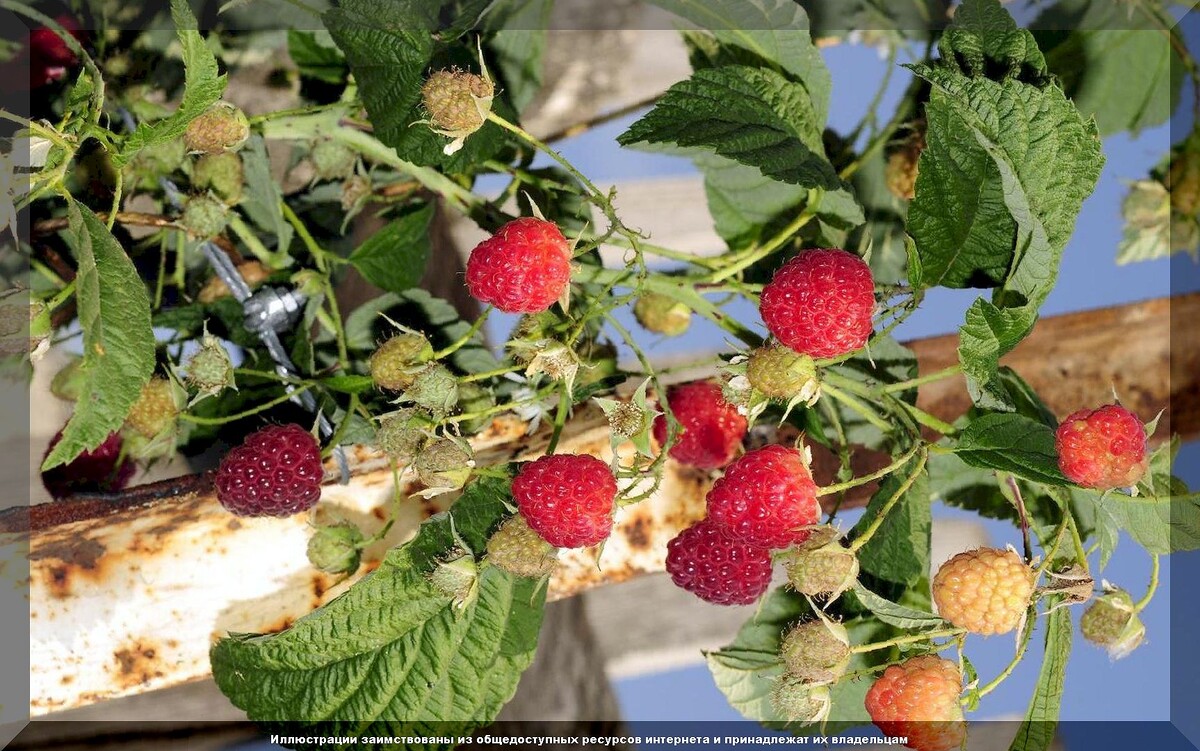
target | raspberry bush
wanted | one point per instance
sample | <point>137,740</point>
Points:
<point>160,232</point>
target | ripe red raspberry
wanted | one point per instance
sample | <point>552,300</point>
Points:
<point>1102,448</point>
<point>767,498</point>
<point>49,55</point>
<point>918,699</point>
<point>712,429</point>
<point>101,470</point>
<point>704,560</point>
<point>820,303</point>
<point>275,472</point>
<point>567,499</point>
<point>524,268</point>
<point>985,591</point>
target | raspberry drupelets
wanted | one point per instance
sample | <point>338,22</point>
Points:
<point>918,699</point>
<point>706,561</point>
<point>567,499</point>
<point>524,268</point>
<point>767,498</point>
<point>101,470</point>
<point>985,591</point>
<point>1102,448</point>
<point>275,472</point>
<point>712,429</point>
<point>820,303</point>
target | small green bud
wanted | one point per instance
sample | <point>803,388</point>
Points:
<point>816,651</point>
<point>457,577</point>
<point>210,371</point>
<point>396,363</point>
<point>435,388</point>
<point>1112,622</point>
<point>222,173</point>
<point>223,127</point>
<point>662,314</point>
<point>799,702</point>
<point>332,160</point>
<point>444,465</point>
<point>204,216</point>
<point>336,549</point>
<point>401,434</point>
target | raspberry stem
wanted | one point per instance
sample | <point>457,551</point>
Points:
<point>944,373</point>
<point>907,639</point>
<point>854,404</point>
<point>287,396</point>
<point>1022,646</point>
<point>864,479</point>
<point>1141,604</point>
<point>740,262</point>
<point>879,519</point>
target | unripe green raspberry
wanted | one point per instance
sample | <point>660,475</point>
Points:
<point>332,160</point>
<point>204,216</point>
<point>435,388</point>
<point>401,434</point>
<point>1183,180</point>
<point>816,651</point>
<point>154,161</point>
<point>456,577</point>
<point>155,410</point>
<point>396,363</point>
<point>223,127</point>
<point>336,549</point>
<point>457,102</point>
<point>444,465</point>
<point>779,373</point>
<point>1112,622</point>
<point>798,702</point>
<point>826,571</point>
<point>222,174</point>
<point>517,549</point>
<point>210,371</point>
<point>662,314</point>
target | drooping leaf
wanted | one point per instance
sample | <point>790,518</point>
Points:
<point>1011,443</point>
<point>893,614</point>
<point>990,332</point>
<point>315,56</point>
<point>899,549</point>
<point>393,652</point>
<point>203,86</point>
<point>118,343</point>
<point>1037,731</point>
<point>263,196</point>
<point>394,258</point>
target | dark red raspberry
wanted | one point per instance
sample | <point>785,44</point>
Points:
<point>766,498</point>
<point>524,268</point>
<point>703,560</point>
<point>1102,448</point>
<point>567,499</point>
<point>275,472</point>
<point>820,303</point>
<point>712,428</point>
<point>100,470</point>
<point>49,55</point>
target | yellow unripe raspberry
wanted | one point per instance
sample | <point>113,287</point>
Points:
<point>985,591</point>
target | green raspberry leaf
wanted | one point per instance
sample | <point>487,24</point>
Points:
<point>899,550</point>
<point>393,652</point>
<point>1037,731</point>
<point>900,616</point>
<point>263,197</point>
<point>1011,443</point>
<point>203,86</point>
<point>747,669</point>
<point>1117,63</point>
<point>316,57</point>
<point>990,332</point>
<point>755,116</point>
<point>118,343</point>
<point>394,258</point>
